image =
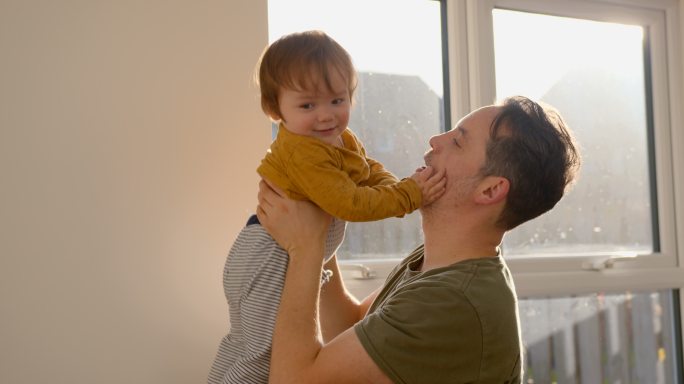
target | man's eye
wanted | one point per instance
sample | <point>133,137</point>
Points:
<point>456,143</point>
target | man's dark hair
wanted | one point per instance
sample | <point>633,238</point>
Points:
<point>531,146</point>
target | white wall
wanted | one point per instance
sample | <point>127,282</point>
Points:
<point>130,132</point>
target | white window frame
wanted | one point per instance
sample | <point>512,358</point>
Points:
<point>472,84</point>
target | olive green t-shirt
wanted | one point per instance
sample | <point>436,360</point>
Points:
<point>456,324</point>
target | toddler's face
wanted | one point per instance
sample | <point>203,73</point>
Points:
<point>319,113</point>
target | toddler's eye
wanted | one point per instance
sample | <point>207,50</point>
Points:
<point>306,106</point>
<point>338,101</point>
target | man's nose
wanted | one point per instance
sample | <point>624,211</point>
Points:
<point>433,141</point>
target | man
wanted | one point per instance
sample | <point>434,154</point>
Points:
<point>448,312</point>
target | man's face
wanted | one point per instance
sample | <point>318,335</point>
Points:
<point>461,152</point>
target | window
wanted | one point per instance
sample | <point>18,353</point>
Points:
<point>604,66</point>
<point>600,276</point>
<point>594,73</point>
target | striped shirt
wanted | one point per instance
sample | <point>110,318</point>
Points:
<point>253,280</point>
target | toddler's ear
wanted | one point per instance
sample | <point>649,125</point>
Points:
<point>274,117</point>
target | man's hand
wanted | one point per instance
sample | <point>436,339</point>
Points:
<point>293,224</point>
<point>299,354</point>
<point>432,183</point>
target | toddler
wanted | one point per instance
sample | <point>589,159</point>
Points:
<point>307,82</point>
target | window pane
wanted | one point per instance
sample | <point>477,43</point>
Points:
<point>621,338</point>
<point>398,104</point>
<point>593,72</point>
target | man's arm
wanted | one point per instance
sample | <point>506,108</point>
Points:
<point>299,354</point>
<point>339,309</point>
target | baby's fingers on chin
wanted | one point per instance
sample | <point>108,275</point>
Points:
<point>439,173</point>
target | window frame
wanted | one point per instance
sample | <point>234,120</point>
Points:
<point>473,83</point>
<point>558,274</point>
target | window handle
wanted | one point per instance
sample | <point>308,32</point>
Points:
<point>366,273</point>
<point>608,262</point>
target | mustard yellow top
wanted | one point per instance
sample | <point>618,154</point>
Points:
<point>342,181</point>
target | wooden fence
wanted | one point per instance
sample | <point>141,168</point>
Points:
<point>599,339</point>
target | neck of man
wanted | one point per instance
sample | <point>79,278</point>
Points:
<point>450,238</point>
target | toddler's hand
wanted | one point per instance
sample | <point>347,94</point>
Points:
<point>432,183</point>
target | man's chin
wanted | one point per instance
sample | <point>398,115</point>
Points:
<point>429,206</point>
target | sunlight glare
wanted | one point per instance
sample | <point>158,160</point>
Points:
<point>385,36</point>
<point>546,48</point>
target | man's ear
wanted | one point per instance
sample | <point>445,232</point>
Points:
<point>492,190</point>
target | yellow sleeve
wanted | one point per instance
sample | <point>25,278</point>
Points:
<point>378,174</point>
<point>319,175</point>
